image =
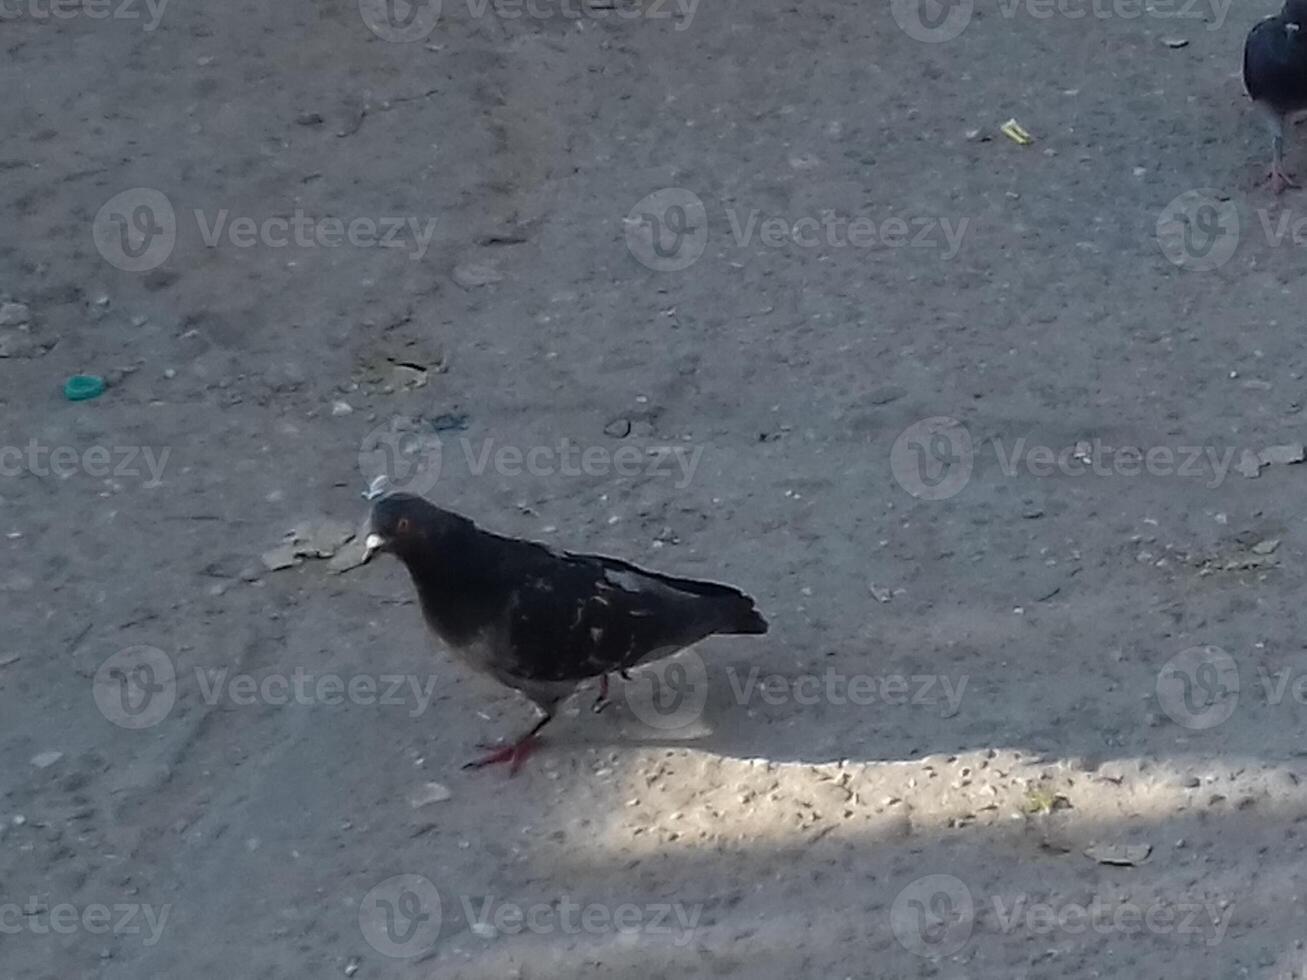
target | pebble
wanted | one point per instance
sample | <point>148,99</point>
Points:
<point>341,408</point>
<point>429,793</point>
<point>470,275</point>
<point>485,930</point>
<point>45,760</point>
<point>14,314</point>
<point>618,428</point>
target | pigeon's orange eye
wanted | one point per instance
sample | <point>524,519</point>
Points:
<point>402,526</point>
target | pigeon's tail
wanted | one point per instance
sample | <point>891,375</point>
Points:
<point>742,617</point>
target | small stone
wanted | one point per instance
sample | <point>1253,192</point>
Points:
<point>1286,454</point>
<point>275,559</point>
<point>320,539</point>
<point>45,760</point>
<point>1176,42</point>
<point>470,275</point>
<point>407,376</point>
<point>351,968</point>
<point>14,314</point>
<point>618,428</point>
<point>450,422</point>
<point>341,408</point>
<point>1266,547</point>
<point>309,119</point>
<point>429,793</point>
<point>884,394</point>
<point>1125,855</point>
<point>1192,782</point>
<point>485,930</point>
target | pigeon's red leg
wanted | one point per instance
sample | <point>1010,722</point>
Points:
<point>514,754</point>
<point>1279,180</point>
<point>601,702</point>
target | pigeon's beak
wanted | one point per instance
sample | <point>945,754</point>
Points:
<point>372,544</point>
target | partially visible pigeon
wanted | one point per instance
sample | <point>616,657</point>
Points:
<point>542,621</point>
<point>1275,75</point>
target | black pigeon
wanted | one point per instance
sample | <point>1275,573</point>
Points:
<point>1275,75</point>
<point>542,621</point>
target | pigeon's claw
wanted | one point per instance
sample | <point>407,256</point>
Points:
<point>514,754</point>
<point>601,701</point>
<point>1279,180</point>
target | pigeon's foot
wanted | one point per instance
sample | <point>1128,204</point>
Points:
<point>601,702</point>
<point>1279,180</point>
<point>514,754</point>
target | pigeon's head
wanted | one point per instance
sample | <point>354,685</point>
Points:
<point>410,527</point>
<point>1295,12</point>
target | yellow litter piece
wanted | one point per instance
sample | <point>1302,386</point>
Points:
<point>1014,131</point>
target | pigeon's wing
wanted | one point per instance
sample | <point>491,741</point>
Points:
<point>575,616</point>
